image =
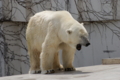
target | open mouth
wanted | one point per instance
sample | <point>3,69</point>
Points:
<point>78,47</point>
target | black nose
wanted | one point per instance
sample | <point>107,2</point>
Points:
<point>87,44</point>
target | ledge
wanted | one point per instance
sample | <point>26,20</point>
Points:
<point>98,72</point>
<point>111,61</point>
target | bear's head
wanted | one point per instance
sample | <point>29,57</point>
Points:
<point>77,36</point>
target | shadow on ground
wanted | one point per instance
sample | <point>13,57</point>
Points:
<point>68,73</point>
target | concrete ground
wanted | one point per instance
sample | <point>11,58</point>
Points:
<point>98,72</point>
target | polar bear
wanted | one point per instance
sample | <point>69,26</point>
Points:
<point>48,32</point>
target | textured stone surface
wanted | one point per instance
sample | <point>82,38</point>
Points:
<point>99,72</point>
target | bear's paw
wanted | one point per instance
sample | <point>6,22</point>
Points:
<point>69,69</point>
<point>34,71</point>
<point>48,71</point>
<point>60,68</point>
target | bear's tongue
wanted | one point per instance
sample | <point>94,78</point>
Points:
<point>78,47</point>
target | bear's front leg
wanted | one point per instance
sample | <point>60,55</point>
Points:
<point>68,58</point>
<point>49,48</point>
<point>47,62</point>
<point>56,63</point>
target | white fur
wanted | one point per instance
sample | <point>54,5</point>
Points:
<point>47,33</point>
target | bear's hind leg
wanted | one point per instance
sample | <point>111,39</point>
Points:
<point>68,57</point>
<point>34,62</point>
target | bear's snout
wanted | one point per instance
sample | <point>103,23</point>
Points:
<point>78,47</point>
<point>87,44</point>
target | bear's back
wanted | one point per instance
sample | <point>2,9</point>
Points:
<point>53,15</point>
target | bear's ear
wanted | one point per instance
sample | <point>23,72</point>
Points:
<point>69,31</point>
